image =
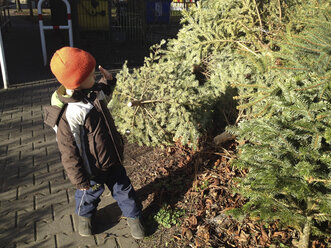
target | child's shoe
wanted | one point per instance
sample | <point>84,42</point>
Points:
<point>136,228</point>
<point>85,226</point>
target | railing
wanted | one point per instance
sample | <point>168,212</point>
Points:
<point>4,22</point>
<point>42,28</point>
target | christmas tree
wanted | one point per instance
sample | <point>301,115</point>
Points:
<point>287,131</point>
<point>175,95</point>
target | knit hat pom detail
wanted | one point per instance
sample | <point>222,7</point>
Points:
<point>71,66</point>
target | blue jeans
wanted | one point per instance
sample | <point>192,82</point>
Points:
<point>120,187</point>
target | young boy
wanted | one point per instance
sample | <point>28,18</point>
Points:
<point>91,148</point>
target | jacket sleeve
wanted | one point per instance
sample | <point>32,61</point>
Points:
<point>70,156</point>
<point>107,86</point>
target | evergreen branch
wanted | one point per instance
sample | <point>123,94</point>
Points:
<point>258,14</point>
<point>221,40</point>
<point>134,116</point>
<point>127,95</point>
<point>310,87</point>
<point>248,95</point>
<point>316,141</point>
<point>317,38</point>
<point>240,116</point>
<point>309,49</point>
<point>247,105</point>
<point>301,128</point>
<point>308,41</point>
<point>141,102</point>
<point>327,64</point>
<point>322,92</point>
<point>263,110</point>
<point>318,215</point>
<point>310,115</point>
<point>288,68</point>
<point>282,203</point>
<point>320,117</point>
<point>311,180</point>
<point>327,77</point>
<point>156,122</point>
<point>295,153</point>
<point>249,86</point>
<point>280,11</point>
<point>246,48</point>
<point>320,59</point>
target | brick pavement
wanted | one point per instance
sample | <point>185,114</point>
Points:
<point>36,198</point>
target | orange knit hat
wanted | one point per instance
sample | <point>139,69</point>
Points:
<point>71,66</point>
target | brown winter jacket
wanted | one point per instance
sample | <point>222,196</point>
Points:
<point>85,131</point>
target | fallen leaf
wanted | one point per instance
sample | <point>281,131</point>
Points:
<point>264,237</point>
<point>281,234</point>
<point>193,220</point>
<point>243,237</point>
<point>203,233</point>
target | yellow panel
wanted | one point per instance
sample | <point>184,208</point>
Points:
<point>90,18</point>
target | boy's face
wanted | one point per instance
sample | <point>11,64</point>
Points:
<point>88,82</point>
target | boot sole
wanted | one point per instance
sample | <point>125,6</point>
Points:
<point>85,235</point>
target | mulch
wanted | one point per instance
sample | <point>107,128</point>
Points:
<point>201,183</point>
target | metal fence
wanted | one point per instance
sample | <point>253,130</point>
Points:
<point>122,19</point>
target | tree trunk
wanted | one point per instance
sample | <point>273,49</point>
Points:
<point>18,5</point>
<point>304,238</point>
<point>30,7</point>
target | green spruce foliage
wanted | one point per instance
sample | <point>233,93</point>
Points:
<point>287,132</point>
<point>275,56</point>
<point>173,96</point>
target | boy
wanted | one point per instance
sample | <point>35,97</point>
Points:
<point>91,148</point>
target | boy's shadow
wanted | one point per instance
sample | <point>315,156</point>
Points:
<point>167,190</point>
<point>106,218</point>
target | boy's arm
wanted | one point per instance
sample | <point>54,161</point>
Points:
<point>71,159</point>
<point>107,82</point>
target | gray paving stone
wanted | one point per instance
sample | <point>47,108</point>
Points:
<point>30,218</point>
<point>56,166</point>
<point>48,242</point>
<point>44,178</point>
<point>73,239</point>
<point>23,204</point>
<point>59,185</point>
<point>62,209</point>
<point>7,195</point>
<point>45,143</point>
<point>23,235</point>
<point>49,199</point>
<point>35,190</point>
<point>48,228</point>
<point>27,170</point>
<point>13,180</point>
<point>110,242</point>
<point>6,238</point>
<point>125,241</point>
<point>8,220</point>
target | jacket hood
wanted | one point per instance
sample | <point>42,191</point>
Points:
<point>60,97</point>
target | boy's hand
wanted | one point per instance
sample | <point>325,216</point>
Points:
<point>106,74</point>
<point>85,188</point>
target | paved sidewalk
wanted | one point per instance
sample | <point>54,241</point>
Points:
<point>36,198</point>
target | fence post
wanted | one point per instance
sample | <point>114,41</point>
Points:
<point>3,64</point>
<point>42,28</point>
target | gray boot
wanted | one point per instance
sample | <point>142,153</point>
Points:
<point>136,228</point>
<point>85,226</point>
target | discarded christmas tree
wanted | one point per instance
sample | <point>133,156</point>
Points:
<point>174,96</point>
<point>287,133</point>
